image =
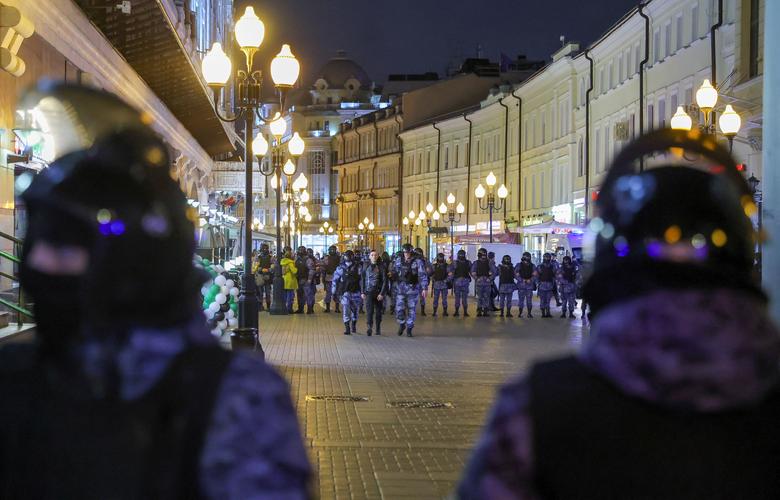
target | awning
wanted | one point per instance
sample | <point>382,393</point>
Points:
<point>148,40</point>
<point>551,227</point>
<point>511,238</point>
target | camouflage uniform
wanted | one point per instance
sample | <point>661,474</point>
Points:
<point>346,284</point>
<point>506,287</point>
<point>546,276</point>
<point>484,272</point>
<point>459,271</point>
<point>411,278</point>
<point>264,278</point>
<point>440,280</point>
<point>328,266</point>
<point>526,282</point>
<point>567,285</point>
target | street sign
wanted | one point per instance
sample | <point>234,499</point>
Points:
<point>438,230</point>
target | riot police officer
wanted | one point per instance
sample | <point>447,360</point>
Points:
<point>346,285</point>
<point>412,283</point>
<point>568,275</point>
<point>441,279</point>
<point>264,275</point>
<point>301,263</point>
<point>460,273</point>
<point>329,265</point>
<point>484,272</point>
<point>546,275</point>
<point>526,283</point>
<point>310,287</point>
<point>418,252</point>
<point>506,285</point>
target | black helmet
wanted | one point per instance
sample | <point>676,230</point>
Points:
<point>333,250</point>
<point>526,256</point>
<point>506,259</point>
<point>419,251</point>
<point>109,192</point>
<point>440,257</point>
<point>264,248</point>
<point>349,255</point>
<point>461,254</point>
<point>671,226</point>
<point>567,260</point>
<point>482,253</point>
<point>407,248</point>
<point>491,255</point>
<point>547,257</point>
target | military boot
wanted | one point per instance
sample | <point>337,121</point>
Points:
<point>327,307</point>
<point>434,311</point>
<point>529,314</point>
<point>401,329</point>
<point>509,312</point>
<point>346,328</point>
<point>354,325</point>
<point>563,314</point>
<point>502,312</point>
<point>422,311</point>
<point>457,313</point>
<point>479,312</point>
<point>466,312</point>
<point>409,332</point>
<point>445,311</point>
<point>338,309</point>
<point>368,332</point>
<point>378,328</point>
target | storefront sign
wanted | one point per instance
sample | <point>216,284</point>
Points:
<point>562,213</point>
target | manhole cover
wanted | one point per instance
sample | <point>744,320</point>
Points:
<point>420,404</point>
<point>334,397</point>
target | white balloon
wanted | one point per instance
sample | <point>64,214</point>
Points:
<point>230,284</point>
<point>205,290</point>
<point>234,292</point>
<point>222,324</point>
<point>220,280</point>
<point>213,307</point>
<point>230,314</point>
<point>210,314</point>
<point>220,299</point>
<point>233,323</point>
<point>225,290</point>
<point>216,332</point>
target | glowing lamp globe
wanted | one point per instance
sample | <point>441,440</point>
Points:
<point>304,182</point>
<point>278,125</point>
<point>503,192</point>
<point>436,216</point>
<point>417,222</point>
<point>411,214</point>
<point>322,230</point>
<point>361,226</point>
<point>216,66</point>
<point>729,121</point>
<point>305,196</point>
<point>296,145</point>
<point>706,96</point>
<point>450,198</point>
<point>249,30</point>
<point>443,208</point>
<point>479,192</point>
<point>681,120</point>
<point>460,208</point>
<point>365,220</point>
<point>406,221</point>
<point>289,168</point>
<point>259,145</point>
<point>285,68</point>
<point>307,217</point>
<point>490,180</point>
<point>371,226</point>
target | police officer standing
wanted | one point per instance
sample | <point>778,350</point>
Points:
<point>329,265</point>
<point>440,281</point>
<point>418,252</point>
<point>303,277</point>
<point>506,285</point>
<point>460,270</point>
<point>567,285</point>
<point>484,272</point>
<point>373,290</point>
<point>526,282</point>
<point>346,284</point>
<point>310,288</point>
<point>264,276</point>
<point>546,274</point>
<point>412,283</point>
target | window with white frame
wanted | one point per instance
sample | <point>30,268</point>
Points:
<point>695,21</point>
<point>656,45</point>
<point>667,39</point>
<point>446,157</point>
<point>662,113</point>
<point>678,22</point>
<point>597,151</point>
<point>456,159</point>
<point>580,158</point>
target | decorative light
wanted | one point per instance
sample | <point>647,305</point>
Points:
<point>305,196</point>
<point>259,145</point>
<point>443,208</point>
<point>706,96</point>
<point>216,66</point>
<point>361,226</point>
<point>325,224</point>
<point>365,220</point>
<point>289,168</point>
<point>330,230</point>
<point>303,180</point>
<point>406,221</point>
<point>503,192</point>
<point>296,145</point>
<point>450,198</point>
<point>371,226</point>
<point>436,216</point>
<point>479,192</point>
<point>417,222</point>
<point>411,214</point>
<point>460,208</point>
<point>681,120</point>
<point>249,30</point>
<point>429,207</point>
<point>307,217</point>
<point>729,121</point>
<point>285,68</point>
<point>490,180</point>
<point>278,126</point>
<point>302,210</point>
<point>322,230</point>
<point>274,182</point>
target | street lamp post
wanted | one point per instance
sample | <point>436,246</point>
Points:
<point>706,100</point>
<point>453,215</point>
<point>753,182</point>
<point>490,202</point>
<point>326,229</point>
<point>432,216</point>
<point>217,69</point>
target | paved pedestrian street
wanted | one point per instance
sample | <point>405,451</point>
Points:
<point>396,417</point>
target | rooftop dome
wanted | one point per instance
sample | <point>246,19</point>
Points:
<point>340,69</point>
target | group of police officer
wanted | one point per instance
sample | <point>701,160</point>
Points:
<point>357,283</point>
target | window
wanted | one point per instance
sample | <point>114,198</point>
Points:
<point>656,45</point>
<point>316,162</point>
<point>754,45</point>
<point>428,162</point>
<point>525,193</point>
<point>637,59</point>
<point>525,141</point>
<point>679,28</point>
<point>611,81</point>
<point>544,127</point>
<point>476,156</point>
<point>620,70</point>
<point>673,107</point>
<point>418,168</point>
<point>597,152</point>
<point>607,131</point>
<point>632,125</point>
<point>695,22</point>
<point>580,166</point>
<point>582,91</point>
<point>661,113</point>
<point>455,163</point>
<point>446,157</point>
<point>602,81</point>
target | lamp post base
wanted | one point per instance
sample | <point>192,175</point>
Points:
<point>278,306</point>
<point>248,307</point>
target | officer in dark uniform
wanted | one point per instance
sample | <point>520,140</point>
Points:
<point>420,254</point>
<point>329,265</point>
<point>526,283</point>
<point>373,289</point>
<point>346,285</point>
<point>264,276</point>
<point>301,263</point>
<point>412,283</point>
<point>568,275</point>
<point>484,272</point>
<point>460,272</point>
<point>506,285</point>
<point>546,276</point>
<point>441,279</point>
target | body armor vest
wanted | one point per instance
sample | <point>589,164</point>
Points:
<point>526,271</point>
<point>545,272</point>
<point>439,272</point>
<point>483,267</point>
<point>462,269</point>
<point>506,274</point>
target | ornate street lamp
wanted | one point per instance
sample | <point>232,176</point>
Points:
<point>217,70</point>
<point>453,215</point>
<point>706,100</point>
<point>491,203</point>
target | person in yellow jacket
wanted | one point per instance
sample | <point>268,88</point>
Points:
<point>290,274</point>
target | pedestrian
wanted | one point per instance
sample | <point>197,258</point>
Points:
<point>546,276</point>
<point>675,394</point>
<point>312,280</point>
<point>373,290</point>
<point>386,262</point>
<point>418,252</point>
<point>526,283</point>
<point>301,263</point>
<point>460,273</point>
<point>264,275</point>
<point>441,278</point>
<point>568,275</point>
<point>125,393</point>
<point>556,267</point>
<point>493,287</point>
<point>484,272</point>
<point>290,276</point>
<point>412,283</point>
<point>331,262</point>
<point>346,285</point>
<point>506,285</point>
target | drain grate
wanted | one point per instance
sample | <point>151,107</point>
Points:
<point>424,404</point>
<point>335,397</point>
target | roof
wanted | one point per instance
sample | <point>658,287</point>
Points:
<point>340,69</point>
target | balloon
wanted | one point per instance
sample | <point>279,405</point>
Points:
<point>233,323</point>
<point>220,299</point>
<point>214,307</point>
<point>216,332</point>
<point>211,323</point>
<point>209,314</point>
<point>230,284</point>
<point>219,316</point>
<point>234,292</point>
<point>206,262</point>
<point>224,307</point>
<point>230,314</point>
<point>222,324</point>
<point>220,281</point>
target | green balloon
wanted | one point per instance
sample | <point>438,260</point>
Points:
<point>206,262</point>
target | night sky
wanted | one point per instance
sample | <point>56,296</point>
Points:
<point>415,36</point>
